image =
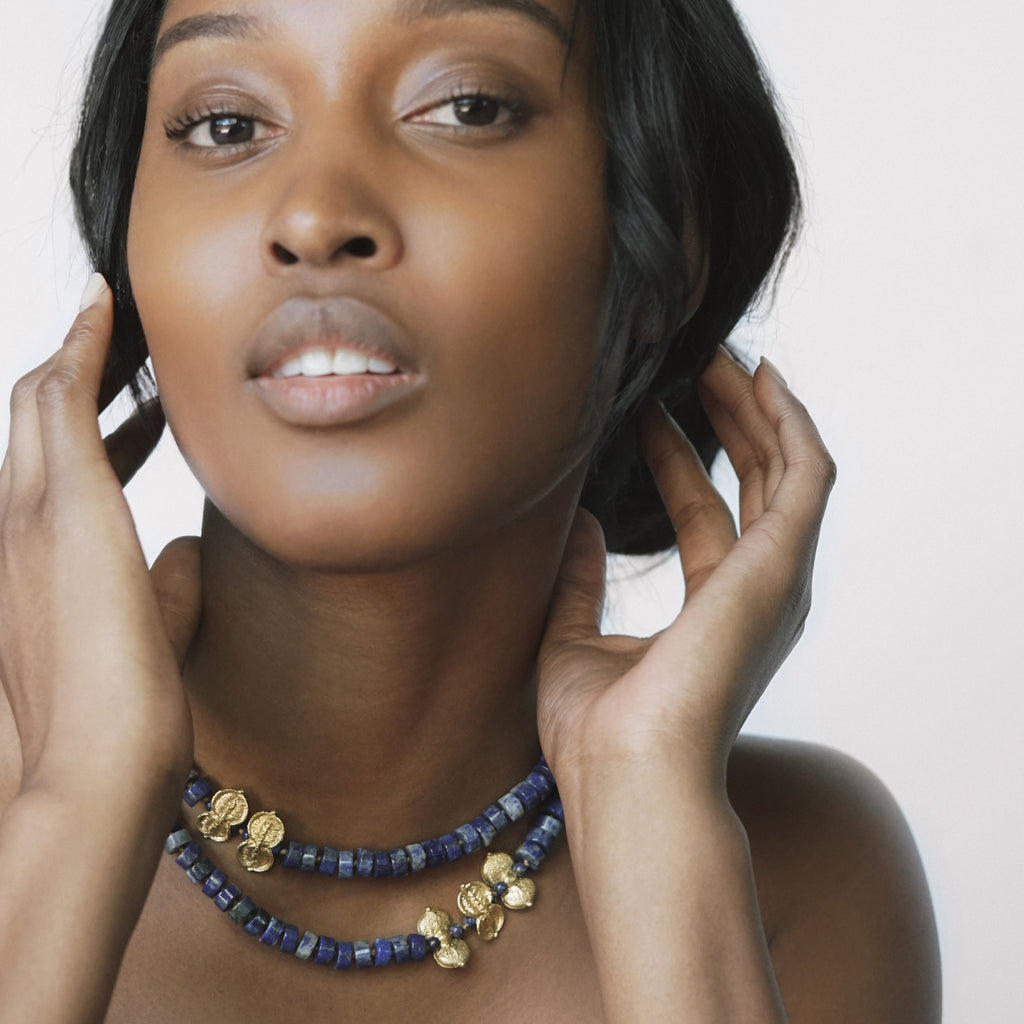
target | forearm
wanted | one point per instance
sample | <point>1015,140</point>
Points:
<point>667,890</point>
<point>74,875</point>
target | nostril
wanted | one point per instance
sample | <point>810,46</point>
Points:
<point>283,255</point>
<point>362,247</point>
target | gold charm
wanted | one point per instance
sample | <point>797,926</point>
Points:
<point>517,893</point>
<point>266,830</point>
<point>228,808</point>
<point>476,900</point>
<point>435,924</point>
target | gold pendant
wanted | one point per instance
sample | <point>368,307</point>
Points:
<point>436,924</point>
<point>266,830</point>
<point>228,808</point>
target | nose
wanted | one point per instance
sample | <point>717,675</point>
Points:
<point>324,216</point>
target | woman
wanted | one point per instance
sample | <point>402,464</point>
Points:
<point>414,277</point>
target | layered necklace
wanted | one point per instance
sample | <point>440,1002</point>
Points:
<point>504,884</point>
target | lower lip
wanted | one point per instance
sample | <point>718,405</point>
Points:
<point>333,401</point>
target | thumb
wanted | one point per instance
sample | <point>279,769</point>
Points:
<point>578,599</point>
<point>175,576</point>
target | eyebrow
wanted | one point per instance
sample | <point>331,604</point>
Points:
<point>415,9</point>
<point>223,26</point>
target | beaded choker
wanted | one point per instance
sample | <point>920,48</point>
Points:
<point>505,880</point>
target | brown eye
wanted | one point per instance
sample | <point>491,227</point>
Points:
<point>232,131</point>
<point>476,111</point>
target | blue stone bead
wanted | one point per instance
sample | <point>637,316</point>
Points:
<point>257,924</point>
<point>225,899</point>
<point>434,850</point>
<point>326,950</point>
<point>519,868</point>
<point>328,861</point>
<point>469,838</point>
<point>417,856</point>
<point>198,790</point>
<point>456,931</point>
<point>497,817</point>
<point>469,923</point>
<point>417,947</point>
<point>554,808</point>
<point>365,863</point>
<point>242,910</point>
<point>307,945</point>
<point>531,854</point>
<point>382,952</point>
<point>542,782</point>
<point>176,840</point>
<point>290,939</point>
<point>346,863</point>
<point>512,806</point>
<point>214,884</point>
<point>528,796</point>
<point>309,855</point>
<point>343,959</point>
<point>362,955</point>
<point>399,862</point>
<point>273,932</point>
<point>400,949</point>
<point>485,829</point>
<point>500,888</point>
<point>452,850</point>
<point>293,855</point>
<point>550,826</point>
<point>433,944</point>
<point>381,864</point>
<point>188,856</point>
<point>200,871</point>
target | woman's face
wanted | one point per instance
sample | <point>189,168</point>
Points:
<point>368,244</point>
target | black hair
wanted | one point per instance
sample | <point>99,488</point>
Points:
<point>696,151</point>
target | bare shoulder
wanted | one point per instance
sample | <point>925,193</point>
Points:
<point>842,890</point>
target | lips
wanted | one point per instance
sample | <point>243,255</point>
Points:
<point>330,362</point>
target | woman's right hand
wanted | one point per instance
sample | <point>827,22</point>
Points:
<point>91,641</point>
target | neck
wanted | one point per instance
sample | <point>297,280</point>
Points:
<point>392,702</point>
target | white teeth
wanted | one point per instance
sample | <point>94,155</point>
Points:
<point>293,368</point>
<point>381,366</point>
<point>316,363</point>
<point>348,363</point>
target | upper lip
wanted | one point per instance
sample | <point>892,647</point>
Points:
<point>337,322</point>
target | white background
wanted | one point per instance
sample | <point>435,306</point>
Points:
<point>899,325</point>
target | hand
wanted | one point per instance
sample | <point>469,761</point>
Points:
<point>687,691</point>
<point>91,642</point>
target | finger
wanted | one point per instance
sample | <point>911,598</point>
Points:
<point>705,531</point>
<point>578,599</point>
<point>23,466</point>
<point>176,580</point>
<point>133,442</point>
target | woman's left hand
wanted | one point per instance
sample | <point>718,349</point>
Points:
<point>687,691</point>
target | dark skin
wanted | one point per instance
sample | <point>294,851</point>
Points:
<point>416,568</point>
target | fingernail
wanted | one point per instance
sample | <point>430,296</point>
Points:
<point>94,288</point>
<point>774,370</point>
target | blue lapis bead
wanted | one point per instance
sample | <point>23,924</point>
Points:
<point>399,862</point>
<point>456,931</point>
<point>176,840</point>
<point>382,952</point>
<point>417,856</point>
<point>400,949</point>
<point>433,944</point>
<point>500,888</point>
<point>550,826</point>
<point>242,910</point>
<point>343,958</point>
<point>531,854</point>
<point>326,950</point>
<point>469,923</point>
<point>542,782</point>
<point>554,808</point>
<point>417,947</point>
<point>484,829</point>
<point>527,795</point>
<point>497,817</point>
<point>257,924</point>
<point>512,806</point>
<point>309,855</point>
<point>434,850</point>
<point>225,899</point>
<point>328,861</point>
<point>346,863</point>
<point>293,855</point>
<point>198,790</point>
<point>289,939</point>
<point>469,838</point>
<point>365,862</point>
<point>214,884</point>
<point>200,871</point>
<point>307,945</point>
<point>452,850</point>
<point>381,864</point>
<point>519,869</point>
<point>272,933</point>
<point>362,954</point>
<point>188,856</point>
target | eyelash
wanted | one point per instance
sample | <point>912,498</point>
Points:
<point>178,129</point>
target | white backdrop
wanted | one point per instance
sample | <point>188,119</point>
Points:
<point>898,323</point>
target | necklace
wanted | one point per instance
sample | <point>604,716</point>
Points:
<point>505,884</point>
